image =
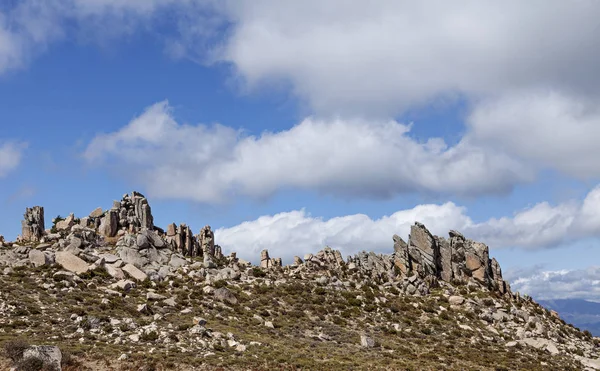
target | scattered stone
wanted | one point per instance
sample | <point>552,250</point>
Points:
<point>71,263</point>
<point>366,341</point>
<point>134,272</point>
<point>154,296</point>
<point>456,300</point>
<point>223,294</point>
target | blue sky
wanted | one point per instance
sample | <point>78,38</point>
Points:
<point>290,126</point>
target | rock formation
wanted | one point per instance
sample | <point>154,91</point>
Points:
<point>32,227</point>
<point>118,256</point>
<point>207,243</point>
<point>268,262</point>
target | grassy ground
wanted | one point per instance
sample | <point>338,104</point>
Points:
<point>314,327</point>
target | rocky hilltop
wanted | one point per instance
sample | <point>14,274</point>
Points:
<point>111,290</point>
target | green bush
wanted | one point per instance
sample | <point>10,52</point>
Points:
<point>257,272</point>
<point>14,349</point>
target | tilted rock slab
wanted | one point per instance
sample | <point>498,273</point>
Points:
<point>71,262</point>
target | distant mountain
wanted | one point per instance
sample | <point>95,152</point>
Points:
<point>581,313</point>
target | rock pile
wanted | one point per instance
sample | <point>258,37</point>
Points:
<point>132,214</point>
<point>126,232</point>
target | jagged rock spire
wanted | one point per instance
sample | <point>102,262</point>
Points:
<point>32,226</point>
<point>458,258</point>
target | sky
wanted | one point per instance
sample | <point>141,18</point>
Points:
<point>290,126</point>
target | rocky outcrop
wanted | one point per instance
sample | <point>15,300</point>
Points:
<point>207,243</point>
<point>144,250</point>
<point>267,262</point>
<point>423,251</point>
<point>132,214</point>
<point>401,257</point>
<point>434,258</point>
<point>414,266</point>
<point>32,226</point>
<point>376,266</point>
<point>325,259</point>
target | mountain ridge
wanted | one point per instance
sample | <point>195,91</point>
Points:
<point>128,285</point>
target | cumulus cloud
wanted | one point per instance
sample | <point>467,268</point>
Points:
<point>342,157</point>
<point>29,27</point>
<point>10,156</point>
<point>297,232</point>
<point>548,127</point>
<point>391,55</point>
<point>563,284</point>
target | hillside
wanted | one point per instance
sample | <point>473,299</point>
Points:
<point>114,292</point>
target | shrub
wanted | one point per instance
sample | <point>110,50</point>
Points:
<point>14,349</point>
<point>31,364</point>
<point>151,336</point>
<point>220,283</point>
<point>257,272</point>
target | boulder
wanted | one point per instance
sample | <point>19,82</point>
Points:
<point>134,272</point>
<point>366,341</point>
<point>456,300</point>
<point>109,224</point>
<point>114,271</point>
<point>540,343</point>
<point>49,354</point>
<point>177,261</point>
<point>66,224</point>
<point>171,230</point>
<point>109,258</point>
<point>96,213</point>
<point>223,294</point>
<point>71,263</point>
<point>155,296</point>
<point>39,258</point>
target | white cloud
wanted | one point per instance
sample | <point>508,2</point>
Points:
<point>29,27</point>
<point>297,232</point>
<point>547,127</point>
<point>382,58</point>
<point>563,284</point>
<point>10,156</point>
<point>342,157</point>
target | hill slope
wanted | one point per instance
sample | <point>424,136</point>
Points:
<point>114,292</point>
